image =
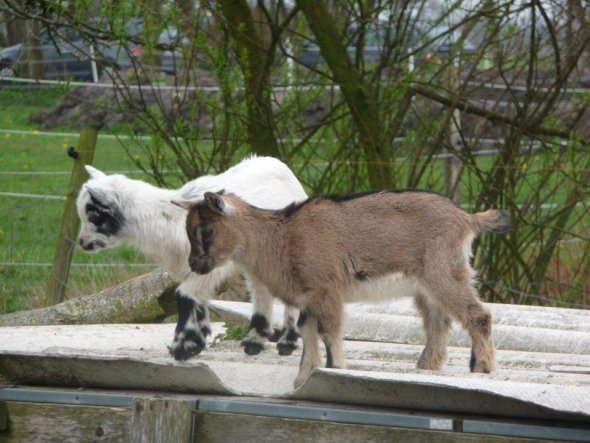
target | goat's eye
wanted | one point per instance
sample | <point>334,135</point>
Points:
<point>207,233</point>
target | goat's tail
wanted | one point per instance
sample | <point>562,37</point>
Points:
<point>492,220</point>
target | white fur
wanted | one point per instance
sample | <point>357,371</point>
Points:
<point>387,287</point>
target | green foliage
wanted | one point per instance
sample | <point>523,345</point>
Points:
<point>235,331</point>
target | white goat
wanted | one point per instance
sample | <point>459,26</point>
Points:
<point>115,209</point>
<point>318,254</point>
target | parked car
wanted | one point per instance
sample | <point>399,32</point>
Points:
<point>372,49</point>
<point>64,55</point>
<point>168,50</point>
<point>375,45</point>
<point>440,48</point>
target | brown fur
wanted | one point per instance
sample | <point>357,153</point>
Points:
<point>311,255</point>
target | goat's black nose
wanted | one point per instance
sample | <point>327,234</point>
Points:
<point>201,265</point>
<point>87,246</point>
<point>193,262</point>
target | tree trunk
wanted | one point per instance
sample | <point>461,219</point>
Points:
<point>148,298</point>
<point>255,63</point>
<point>360,96</point>
<point>33,54</point>
<point>16,30</point>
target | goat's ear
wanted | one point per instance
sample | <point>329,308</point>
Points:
<point>216,203</point>
<point>102,196</point>
<point>185,204</point>
<point>93,172</point>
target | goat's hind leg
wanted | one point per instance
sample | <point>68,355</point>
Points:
<point>436,324</point>
<point>260,330</point>
<point>330,328</point>
<point>463,303</point>
<point>310,357</point>
<point>479,324</point>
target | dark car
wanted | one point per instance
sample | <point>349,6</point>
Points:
<point>168,50</point>
<point>372,48</point>
<point>64,55</point>
<point>438,42</point>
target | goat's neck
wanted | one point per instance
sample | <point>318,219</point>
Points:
<point>157,227</point>
<point>264,252</point>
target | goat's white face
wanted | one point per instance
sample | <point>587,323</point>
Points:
<point>100,214</point>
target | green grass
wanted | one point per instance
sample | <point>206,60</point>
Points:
<point>29,227</point>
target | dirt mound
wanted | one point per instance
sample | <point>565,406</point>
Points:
<point>106,106</point>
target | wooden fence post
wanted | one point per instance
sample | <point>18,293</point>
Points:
<point>66,241</point>
<point>161,420</point>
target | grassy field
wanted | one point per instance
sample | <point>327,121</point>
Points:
<point>38,164</point>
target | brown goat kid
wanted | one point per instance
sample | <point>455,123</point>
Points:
<point>321,253</point>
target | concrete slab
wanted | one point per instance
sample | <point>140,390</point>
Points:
<point>439,393</point>
<point>523,328</point>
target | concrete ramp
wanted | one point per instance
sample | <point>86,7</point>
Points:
<point>443,394</point>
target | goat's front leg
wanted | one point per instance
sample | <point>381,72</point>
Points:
<point>287,342</point>
<point>192,327</point>
<point>310,358</point>
<point>260,329</point>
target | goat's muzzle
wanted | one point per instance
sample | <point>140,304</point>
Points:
<point>92,245</point>
<point>202,264</point>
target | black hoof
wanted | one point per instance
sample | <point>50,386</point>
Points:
<point>286,348</point>
<point>252,347</point>
<point>191,344</point>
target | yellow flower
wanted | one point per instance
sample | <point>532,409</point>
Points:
<point>524,166</point>
<point>26,166</point>
<point>137,157</point>
<point>7,135</point>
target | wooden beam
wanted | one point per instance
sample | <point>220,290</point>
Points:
<point>144,299</point>
<point>161,420</point>
<point>221,427</point>
<point>28,422</point>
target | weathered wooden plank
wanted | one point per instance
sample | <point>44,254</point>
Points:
<point>143,299</point>
<point>161,420</point>
<point>36,422</point>
<point>219,427</point>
